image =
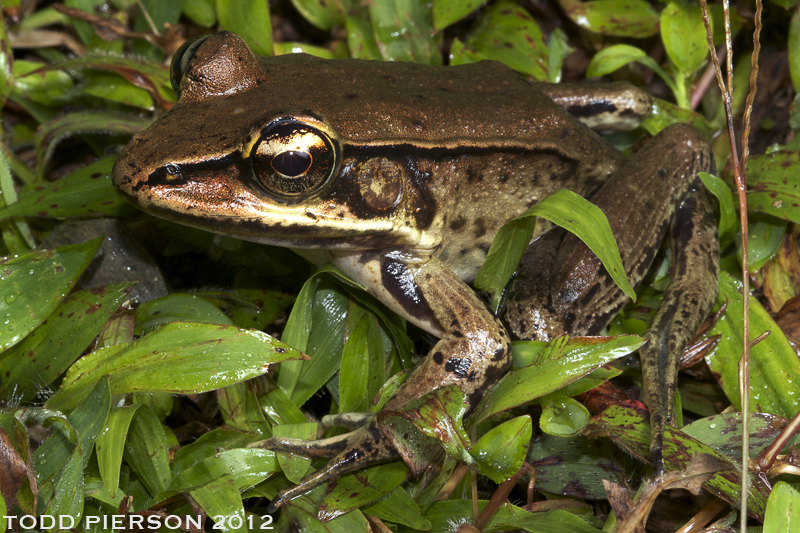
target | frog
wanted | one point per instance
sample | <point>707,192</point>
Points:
<point>400,175</point>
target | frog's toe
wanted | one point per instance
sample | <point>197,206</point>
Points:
<point>353,451</point>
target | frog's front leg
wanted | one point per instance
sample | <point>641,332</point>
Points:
<point>473,352</point>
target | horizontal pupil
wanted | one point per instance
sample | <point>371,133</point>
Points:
<point>291,163</point>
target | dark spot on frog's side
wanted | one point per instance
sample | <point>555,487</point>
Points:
<point>595,108</point>
<point>438,358</point>
<point>458,366</point>
<point>458,224</point>
<point>480,228</point>
<point>351,96</point>
<point>311,215</point>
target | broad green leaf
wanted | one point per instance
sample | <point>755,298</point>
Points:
<point>773,186</point>
<point>49,134</point>
<point>403,31</point>
<point>48,351</point>
<point>534,381</point>
<point>629,429</point>
<point>241,409</point>
<point>501,451</point>
<point>783,509</point>
<point>794,50</point>
<point>177,308</point>
<point>728,220</point>
<point>111,445</point>
<point>301,48</point>
<point>6,68</point>
<point>508,517</point>
<point>221,498</point>
<point>295,466</point>
<point>621,18</point>
<point>32,286</point>
<point>45,87</point>
<point>575,466</point>
<point>86,192</point>
<point>360,38</point>
<point>324,14</point>
<point>354,370</point>
<point>724,433</point>
<point>664,113</point>
<point>773,363</point>
<point>181,358</point>
<point>571,212</point>
<point>147,452</point>
<point>250,19</point>
<point>249,466</point>
<point>153,76</point>
<point>111,87</point>
<point>617,56</point>
<point>446,12</point>
<point>399,508</point>
<point>508,33</point>
<point>355,490</point>
<point>563,417</point>
<point>202,12</point>
<point>765,235</point>
<point>684,36</point>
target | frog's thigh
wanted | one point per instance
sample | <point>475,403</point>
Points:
<point>564,288</point>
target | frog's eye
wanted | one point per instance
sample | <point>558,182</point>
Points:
<point>181,60</point>
<point>293,158</point>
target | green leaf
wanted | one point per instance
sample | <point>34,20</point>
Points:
<point>48,351</point>
<point>765,235</point>
<point>353,491</point>
<point>111,87</point>
<point>629,429</point>
<point>447,12</point>
<point>177,308</point>
<point>773,186</point>
<point>794,50</point>
<point>728,220</point>
<point>321,13</point>
<point>221,498</point>
<point>665,113</point>
<point>403,31</point>
<point>250,19</point>
<point>571,212</point>
<point>563,417</point>
<point>621,18</point>
<point>354,370</point>
<point>580,356</point>
<point>294,466</point>
<point>724,433</point>
<point>87,192</point>
<point>111,445</point>
<point>45,87</point>
<point>33,285</point>
<point>783,509</point>
<point>501,451</point>
<point>508,517</point>
<point>181,358</point>
<point>147,451</point>
<point>684,36</point>
<point>49,134</point>
<point>508,33</point>
<point>399,508</point>
<point>773,362</point>
<point>202,12</point>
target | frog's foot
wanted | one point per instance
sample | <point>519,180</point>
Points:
<point>364,447</point>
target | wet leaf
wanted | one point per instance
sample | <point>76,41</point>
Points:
<point>506,32</point>
<point>181,358</point>
<point>728,220</point>
<point>772,184</point>
<point>30,366</point>
<point>724,432</point>
<point>403,31</point>
<point>563,417</point>
<point>33,285</point>
<point>250,19</point>
<point>294,466</point>
<point>399,508</point>
<point>361,488</point>
<point>446,12</point>
<point>501,451</point>
<point>684,36</point>
<point>147,451</point>
<point>773,364</point>
<point>321,13</point>
<point>110,446</point>
<point>629,429</point>
<point>621,18</point>
<point>84,193</point>
<point>221,498</point>
<point>581,356</point>
<point>783,509</point>
<point>571,212</point>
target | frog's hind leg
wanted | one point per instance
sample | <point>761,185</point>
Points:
<point>565,289</point>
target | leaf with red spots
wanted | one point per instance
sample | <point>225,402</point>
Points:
<point>84,193</point>
<point>47,352</point>
<point>33,285</point>
<point>773,185</point>
<point>621,18</point>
